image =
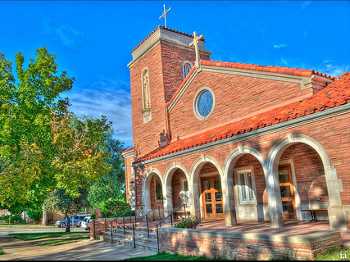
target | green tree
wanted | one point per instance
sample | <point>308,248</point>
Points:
<point>109,190</point>
<point>60,200</point>
<point>27,103</point>
<point>43,146</point>
<point>82,152</point>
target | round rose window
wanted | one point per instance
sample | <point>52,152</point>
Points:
<point>204,103</point>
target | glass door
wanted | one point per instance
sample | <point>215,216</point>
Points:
<point>212,203</point>
<point>287,191</point>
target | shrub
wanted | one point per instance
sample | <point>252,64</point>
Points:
<point>13,219</point>
<point>188,222</point>
<point>119,211</point>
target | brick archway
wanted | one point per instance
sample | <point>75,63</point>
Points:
<point>337,218</point>
<point>230,212</point>
<point>146,188</point>
<point>168,186</point>
<point>195,208</point>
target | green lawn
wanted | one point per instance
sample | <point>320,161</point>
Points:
<point>168,257</point>
<point>51,238</point>
<point>335,254</point>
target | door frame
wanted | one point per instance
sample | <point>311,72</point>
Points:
<point>202,199</point>
<point>292,186</point>
<point>296,188</point>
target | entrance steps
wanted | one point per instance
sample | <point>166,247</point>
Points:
<point>123,237</point>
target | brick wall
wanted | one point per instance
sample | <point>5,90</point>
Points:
<point>173,57</point>
<point>243,246</point>
<point>308,171</point>
<point>337,148</point>
<point>146,135</point>
<point>235,97</point>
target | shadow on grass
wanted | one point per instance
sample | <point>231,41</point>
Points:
<point>51,238</point>
<point>35,236</point>
<point>168,257</point>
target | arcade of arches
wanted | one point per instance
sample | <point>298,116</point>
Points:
<point>242,194</point>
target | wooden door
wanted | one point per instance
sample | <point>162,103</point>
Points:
<point>287,191</point>
<point>212,204</point>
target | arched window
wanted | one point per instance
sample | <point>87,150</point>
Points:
<point>186,67</point>
<point>146,99</point>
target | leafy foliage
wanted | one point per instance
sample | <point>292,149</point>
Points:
<point>107,193</point>
<point>188,222</point>
<point>12,219</point>
<point>44,148</point>
<point>26,108</point>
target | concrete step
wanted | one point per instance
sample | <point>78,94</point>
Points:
<point>141,239</point>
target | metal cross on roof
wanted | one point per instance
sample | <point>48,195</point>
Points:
<point>195,44</point>
<point>164,14</point>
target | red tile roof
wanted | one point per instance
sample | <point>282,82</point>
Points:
<point>272,69</point>
<point>335,94</point>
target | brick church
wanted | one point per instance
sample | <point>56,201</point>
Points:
<point>235,142</point>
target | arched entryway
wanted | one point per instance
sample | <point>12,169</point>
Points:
<point>245,177</point>
<point>306,180</point>
<point>177,193</point>
<point>153,195</point>
<point>302,183</point>
<point>249,185</point>
<point>207,191</point>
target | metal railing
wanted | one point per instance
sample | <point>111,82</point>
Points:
<point>153,220</point>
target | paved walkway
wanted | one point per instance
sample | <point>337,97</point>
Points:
<point>82,250</point>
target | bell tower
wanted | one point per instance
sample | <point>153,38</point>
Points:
<point>159,64</point>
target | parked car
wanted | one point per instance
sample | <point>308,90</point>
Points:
<point>75,221</point>
<point>85,222</point>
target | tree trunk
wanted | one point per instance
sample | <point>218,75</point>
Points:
<point>67,218</point>
<point>44,221</point>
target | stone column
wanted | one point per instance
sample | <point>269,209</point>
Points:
<point>336,214</point>
<point>168,205</point>
<point>274,197</point>
<point>229,208</point>
<point>194,198</point>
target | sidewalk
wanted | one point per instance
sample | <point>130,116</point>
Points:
<point>82,250</point>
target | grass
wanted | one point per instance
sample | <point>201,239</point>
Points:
<point>1,251</point>
<point>335,254</point>
<point>51,238</point>
<point>168,257</point>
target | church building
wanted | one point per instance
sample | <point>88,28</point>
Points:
<point>235,142</point>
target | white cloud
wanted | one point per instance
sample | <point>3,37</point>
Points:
<point>279,46</point>
<point>105,97</point>
<point>66,34</point>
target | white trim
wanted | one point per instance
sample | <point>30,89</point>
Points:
<point>195,103</point>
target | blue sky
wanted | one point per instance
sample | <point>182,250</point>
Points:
<point>92,40</point>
